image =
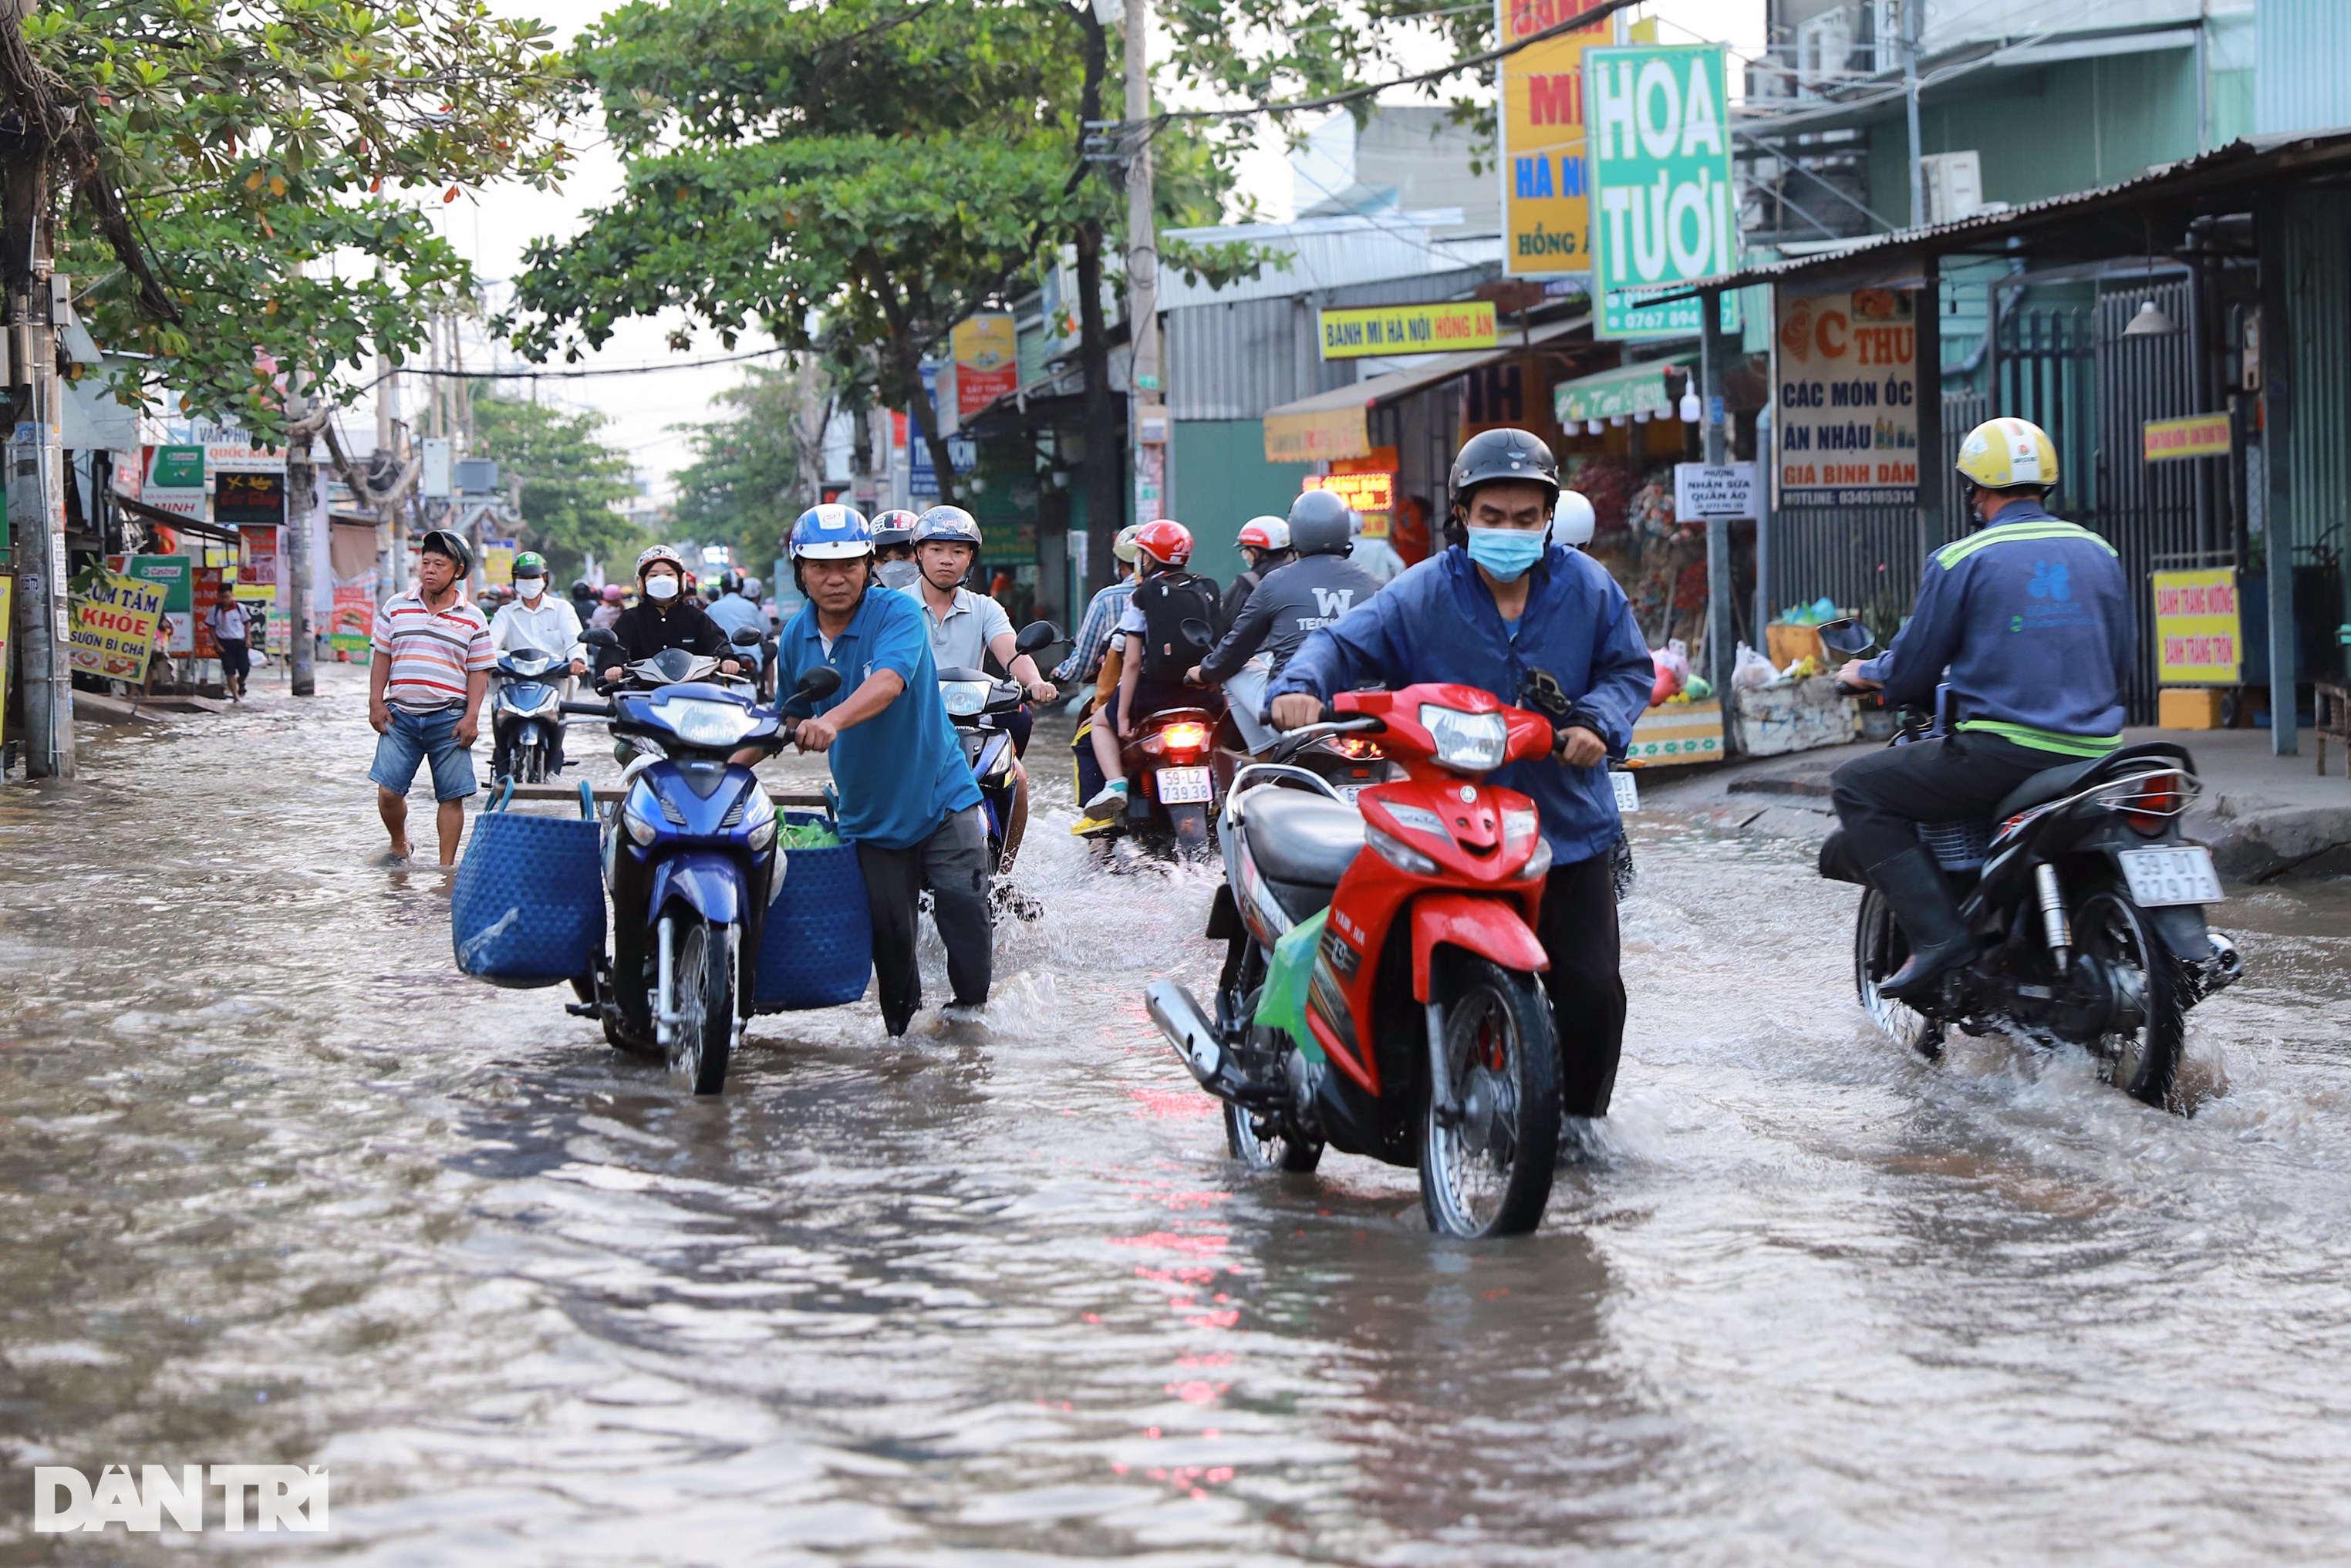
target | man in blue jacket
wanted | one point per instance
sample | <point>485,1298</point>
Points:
<point>2029,620</point>
<point>908,800</point>
<point>1492,613</point>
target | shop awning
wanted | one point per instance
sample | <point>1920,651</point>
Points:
<point>1614,394</point>
<point>1331,426</point>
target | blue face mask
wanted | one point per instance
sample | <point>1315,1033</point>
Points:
<point>1509,553</point>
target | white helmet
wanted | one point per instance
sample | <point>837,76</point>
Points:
<point>1571,522</point>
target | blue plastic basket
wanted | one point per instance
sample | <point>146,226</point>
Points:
<point>527,908</point>
<point>817,950</point>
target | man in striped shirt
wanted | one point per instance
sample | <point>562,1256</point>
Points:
<point>425,683</point>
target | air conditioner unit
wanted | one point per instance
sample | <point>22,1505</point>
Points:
<point>1954,183</point>
<point>1824,47</point>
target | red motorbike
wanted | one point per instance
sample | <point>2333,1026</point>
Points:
<point>1380,992</point>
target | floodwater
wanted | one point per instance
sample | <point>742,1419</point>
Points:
<point>279,1186</point>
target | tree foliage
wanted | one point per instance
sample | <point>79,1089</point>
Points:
<point>571,478</point>
<point>747,480</point>
<point>249,184</point>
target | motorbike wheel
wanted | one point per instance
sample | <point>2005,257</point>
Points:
<point>1879,948</point>
<point>1265,1145</point>
<point>705,978</point>
<point>2140,1055</point>
<point>530,764</point>
<point>1489,1172</point>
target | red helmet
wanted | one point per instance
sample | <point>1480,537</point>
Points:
<point>1165,541</point>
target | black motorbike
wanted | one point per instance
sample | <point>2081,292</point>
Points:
<point>981,708</point>
<point>2086,901</point>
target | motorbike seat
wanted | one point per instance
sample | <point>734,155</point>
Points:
<point>1300,838</point>
<point>2056,783</point>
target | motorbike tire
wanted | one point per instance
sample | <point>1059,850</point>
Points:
<point>622,1038</point>
<point>2143,1062</point>
<point>705,978</point>
<point>530,764</point>
<point>1878,949</point>
<point>1256,1150</point>
<point>1489,1173</point>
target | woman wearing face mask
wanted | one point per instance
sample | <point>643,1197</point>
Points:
<point>663,617</point>
<point>1504,602</point>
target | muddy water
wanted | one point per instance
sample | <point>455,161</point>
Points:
<point>279,1186</point>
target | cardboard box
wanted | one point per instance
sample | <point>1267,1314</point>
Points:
<point>1673,734</point>
<point>1785,644</point>
<point>2187,708</point>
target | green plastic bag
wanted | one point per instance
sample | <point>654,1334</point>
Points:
<point>1282,1001</point>
<point>808,835</point>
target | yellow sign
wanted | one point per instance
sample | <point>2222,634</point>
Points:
<point>987,361</point>
<point>1316,435</point>
<point>1363,492</point>
<point>2198,435</point>
<point>2196,634</point>
<point>1675,733</point>
<point>114,626</point>
<point>1407,330</point>
<point>497,563</point>
<point>1546,219</point>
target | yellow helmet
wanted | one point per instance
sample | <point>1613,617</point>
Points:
<point>1999,452</point>
<point>1123,547</point>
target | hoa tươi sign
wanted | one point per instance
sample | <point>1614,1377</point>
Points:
<point>1845,395</point>
<point>1663,208</point>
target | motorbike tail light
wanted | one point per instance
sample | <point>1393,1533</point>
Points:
<point>1356,746</point>
<point>2148,802</point>
<point>1184,737</point>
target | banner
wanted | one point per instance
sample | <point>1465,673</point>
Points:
<point>171,574</point>
<point>257,574</point>
<point>987,360</point>
<point>175,481</point>
<point>2197,636</point>
<point>1354,334</point>
<point>1316,434</point>
<point>113,626</point>
<point>1546,220</point>
<point>241,496</point>
<point>206,587</point>
<point>2198,435</point>
<point>498,562</point>
<point>1846,381</point>
<point>350,627</point>
<point>1665,211</point>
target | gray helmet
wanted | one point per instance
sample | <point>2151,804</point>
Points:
<point>1321,523</point>
<point>1496,454</point>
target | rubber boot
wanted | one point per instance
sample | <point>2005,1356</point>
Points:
<point>1922,899</point>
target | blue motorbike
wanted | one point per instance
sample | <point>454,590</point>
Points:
<point>690,856</point>
<point>983,710</point>
<point>525,720</point>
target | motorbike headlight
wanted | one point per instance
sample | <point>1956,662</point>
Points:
<point>759,817</point>
<point>964,698</point>
<point>1538,863</point>
<point>1471,742</point>
<point>702,723</point>
<point>1398,853</point>
<point>639,828</point>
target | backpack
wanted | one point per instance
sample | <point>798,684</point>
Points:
<point>1183,616</point>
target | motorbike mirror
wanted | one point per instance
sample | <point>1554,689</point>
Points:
<point>819,682</point>
<point>746,637</point>
<point>1848,637</point>
<point>600,637</point>
<point>1036,636</point>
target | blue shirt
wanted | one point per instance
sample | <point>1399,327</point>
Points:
<point>1095,632</point>
<point>902,772</point>
<point>1438,622</point>
<point>2032,619</point>
<point>733,611</point>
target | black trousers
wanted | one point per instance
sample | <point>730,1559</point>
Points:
<point>952,862</point>
<point>236,658</point>
<point>1880,798</point>
<point>1577,928</point>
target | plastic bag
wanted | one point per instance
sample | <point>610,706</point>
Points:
<point>808,833</point>
<point>1750,669</point>
<point>1672,665</point>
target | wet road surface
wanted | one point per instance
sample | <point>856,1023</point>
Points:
<point>280,1186</point>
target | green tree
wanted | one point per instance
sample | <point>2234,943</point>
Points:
<point>746,482</point>
<point>247,183</point>
<point>569,480</point>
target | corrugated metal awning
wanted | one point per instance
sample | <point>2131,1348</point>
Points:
<point>1332,424</point>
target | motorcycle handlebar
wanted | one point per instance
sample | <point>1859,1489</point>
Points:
<point>590,710</point>
<point>1298,739</point>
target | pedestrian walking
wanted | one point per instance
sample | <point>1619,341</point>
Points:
<point>232,629</point>
<point>430,670</point>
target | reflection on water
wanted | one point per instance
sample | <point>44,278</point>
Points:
<point>281,1185</point>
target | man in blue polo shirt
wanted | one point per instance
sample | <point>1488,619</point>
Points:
<point>908,800</point>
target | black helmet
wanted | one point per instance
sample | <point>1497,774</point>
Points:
<point>1321,523</point>
<point>1494,455</point>
<point>731,581</point>
<point>582,589</point>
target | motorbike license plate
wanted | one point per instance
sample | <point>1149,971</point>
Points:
<point>2158,877</point>
<point>1184,786</point>
<point>1628,794</point>
<point>1351,793</point>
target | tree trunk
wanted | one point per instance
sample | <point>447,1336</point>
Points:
<point>1103,471</point>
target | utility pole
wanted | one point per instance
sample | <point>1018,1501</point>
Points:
<point>35,491</point>
<point>1910,19</point>
<point>1147,427</point>
<point>301,519</point>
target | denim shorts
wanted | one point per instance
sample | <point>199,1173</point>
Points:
<point>413,736</point>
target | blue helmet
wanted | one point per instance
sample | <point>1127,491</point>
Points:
<point>830,532</point>
<point>952,524</point>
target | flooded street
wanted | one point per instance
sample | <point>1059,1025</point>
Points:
<point>280,1186</point>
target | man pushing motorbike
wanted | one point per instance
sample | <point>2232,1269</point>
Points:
<point>1509,611</point>
<point>908,800</point>
<point>2029,621</point>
